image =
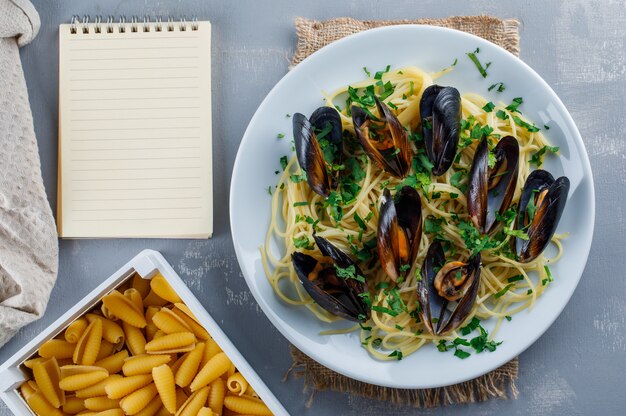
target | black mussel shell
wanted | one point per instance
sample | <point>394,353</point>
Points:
<point>490,190</point>
<point>440,111</point>
<point>549,196</point>
<point>337,295</point>
<point>309,152</point>
<point>399,231</point>
<point>432,305</point>
<point>391,151</point>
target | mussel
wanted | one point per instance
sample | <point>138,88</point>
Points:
<point>440,111</point>
<point>540,208</point>
<point>318,143</point>
<point>334,282</point>
<point>384,139</point>
<point>490,190</point>
<point>399,231</point>
<point>442,283</point>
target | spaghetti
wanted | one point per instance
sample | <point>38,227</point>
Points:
<point>348,218</point>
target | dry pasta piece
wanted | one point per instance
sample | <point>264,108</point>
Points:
<point>27,389</point>
<point>194,403</point>
<point>32,361</point>
<point>232,370</point>
<point>100,403</point>
<point>57,348</point>
<point>135,341</point>
<point>163,412</point>
<point>189,367</point>
<point>110,412</point>
<point>185,309</point>
<point>216,395</point>
<point>168,322</point>
<point>211,349</point>
<point>164,380</point>
<point>81,381</point>
<point>106,350</point>
<point>88,345</point>
<point>152,299</point>
<point>196,328</point>
<point>75,330</point>
<point>41,406</point>
<point>97,389</point>
<point>73,405</point>
<point>213,369</point>
<point>141,285</point>
<point>152,408</point>
<point>176,364</point>
<point>136,298</point>
<point>178,342</point>
<point>70,370</point>
<point>107,313</point>
<point>143,364</point>
<point>114,363</point>
<point>137,400</point>
<point>111,331</point>
<point>124,386</point>
<point>247,405</point>
<point>124,309</point>
<point>237,384</point>
<point>162,288</point>
<point>151,328</point>
<point>205,411</point>
<point>47,376</point>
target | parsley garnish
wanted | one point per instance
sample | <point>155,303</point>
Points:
<point>500,86</point>
<point>508,318</point>
<point>382,309</point>
<point>461,354</point>
<point>503,291</point>
<point>516,103</point>
<point>530,127</point>
<point>269,189</point>
<point>280,135</point>
<point>349,273</point>
<point>397,354</point>
<point>516,233</point>
<point>302,242</point>
<point>473,240</point>
<point>369,75</point>
<point>515,278</point>
<point>479,66</point>
<point>300,204</point>
<point>283,162</point>
<point>537,158</point>
<point>502,115</point>
<point>489,107</point>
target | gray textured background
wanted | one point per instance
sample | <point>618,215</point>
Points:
<point>577,368</point>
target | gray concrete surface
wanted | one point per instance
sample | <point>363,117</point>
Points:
<point>577,368</point>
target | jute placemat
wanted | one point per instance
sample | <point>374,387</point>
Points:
<point>500,383</point>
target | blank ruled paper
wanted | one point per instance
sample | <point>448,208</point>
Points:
<point>135,132</point>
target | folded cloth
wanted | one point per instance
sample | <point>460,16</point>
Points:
<point>28,241</point>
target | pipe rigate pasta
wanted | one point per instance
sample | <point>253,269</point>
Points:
<point>162,288</point>
<point>137,400</point>
<point>189,367</point>
<point>217,393</point>
<point>57,348</point>
<point>126,385</point>
<point>237,384</point>
<point>164,380</point>
<point>194,403</point>
<point>246,405</point>
<point>123,308</point>
<point>178,342</point>
<point>75,330</point>
<point>47,376</point>
<point>88,345</point>
<point>213,369</point>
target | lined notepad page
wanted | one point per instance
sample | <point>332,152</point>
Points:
<point>135,133</point>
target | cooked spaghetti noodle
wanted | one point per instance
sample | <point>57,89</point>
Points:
<point>506,287</point>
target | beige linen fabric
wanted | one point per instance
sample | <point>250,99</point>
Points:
<point>500,383</point>
<point>28,239</point>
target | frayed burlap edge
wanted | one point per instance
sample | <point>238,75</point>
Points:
<point>314,34</point>
<point>498,384</point>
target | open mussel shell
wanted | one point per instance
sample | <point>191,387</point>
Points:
<point>310,153</point>
<point>549,196</point>
<point>337,295</point>
<point>440,111</point>
<point>384,139</point>
<point>399,231</point>
<point>490,190</point>
<point>449,315</point>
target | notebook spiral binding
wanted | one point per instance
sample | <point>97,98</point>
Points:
<point>98,25</point>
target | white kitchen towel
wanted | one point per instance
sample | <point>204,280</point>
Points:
<point>28,241</point>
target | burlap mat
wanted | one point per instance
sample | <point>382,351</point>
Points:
<point>500,383</point>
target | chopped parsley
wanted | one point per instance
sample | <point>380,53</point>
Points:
<point>397,354</point>
<point>269,189</point>
<point>516,103</point>
<point>461,354</point>
<point>300,204</point>
<point>280,135</point>
<point>473,240</point>
<point>503,291</point>
<point>382,309</point>
<point>530,127</point>
<point>283,162</point>
<point>368,73</point>
<point>479,66</point>
<point>489,107</point>
<point>537,158</point>
<point>515,278</point>
<point>508,318</point>
<point>516,233</point>
<point>502,115</point>
<point>302,242</point>
<point>549,273</point>
<point>349,273</point>
<point>499,85</point>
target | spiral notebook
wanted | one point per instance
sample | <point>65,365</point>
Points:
<point>135,129</point>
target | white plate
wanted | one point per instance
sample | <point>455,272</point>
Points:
<point>430,48</point>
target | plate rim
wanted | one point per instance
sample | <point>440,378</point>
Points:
<point>587,174</point>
